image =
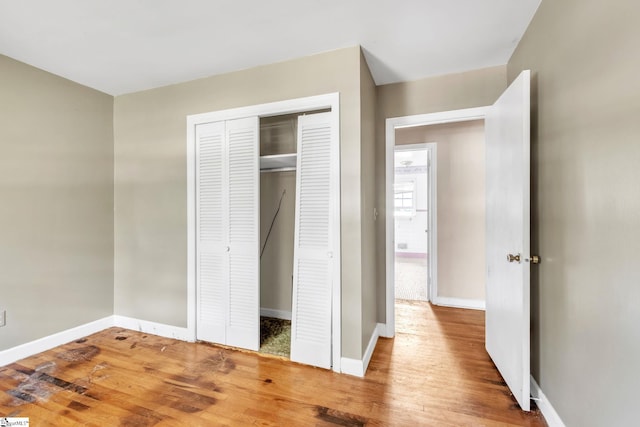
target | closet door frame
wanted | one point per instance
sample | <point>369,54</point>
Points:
<point>291,106</point>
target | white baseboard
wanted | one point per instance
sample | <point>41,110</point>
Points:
<point>22,351</point>
<point>43,344</point>
<point>351,366</point>
<point>153,328</point>
<point>550,415</point>
<point>278,314</point>
<point>357,367</point>
<point>382,329</point>
<point>384,332</point>
<point>371,347</point>
<point>474,304</point>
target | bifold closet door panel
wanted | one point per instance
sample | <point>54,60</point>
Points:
<point>313,253</point>
<point>243,328</point>
<point>211,233</point>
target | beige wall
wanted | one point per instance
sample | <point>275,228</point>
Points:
<point>276,264</point>
<point>460,204</point>
<point>150,180</point>
<point>56,214</point>
<point>368,201</point>
<point>450,92</point>
<point>586,207</point>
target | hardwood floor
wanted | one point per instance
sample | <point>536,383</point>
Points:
<point>434,373</point>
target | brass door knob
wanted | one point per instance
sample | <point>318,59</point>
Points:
<point>535,259</point>
<point>513,258</point>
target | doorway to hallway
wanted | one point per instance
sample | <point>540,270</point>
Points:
<point>414,220</point>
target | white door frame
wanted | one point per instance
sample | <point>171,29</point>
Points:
<point>390,131</point>
<point>299,105</point>
<point>432,219</point>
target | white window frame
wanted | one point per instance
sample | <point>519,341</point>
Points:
<point>401,212</point>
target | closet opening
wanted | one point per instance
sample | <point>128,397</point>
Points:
<point>263,226</point>
<point>278,161</point>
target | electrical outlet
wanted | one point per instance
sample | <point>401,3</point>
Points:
<point>3,318</point>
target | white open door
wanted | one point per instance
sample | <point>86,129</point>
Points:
<point>507,129</point>
<point>211,233</point>
<point>313,242</point>
<point>243,148</point>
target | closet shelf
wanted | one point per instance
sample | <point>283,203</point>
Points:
<point>278,162</point>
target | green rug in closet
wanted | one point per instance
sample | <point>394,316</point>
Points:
<point>275,336</point>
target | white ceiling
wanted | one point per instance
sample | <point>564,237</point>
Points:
<point>122,46</point>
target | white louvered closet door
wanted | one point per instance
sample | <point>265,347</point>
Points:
<point>243,327</point>
<point>313,244</point>
<point>211,233</point>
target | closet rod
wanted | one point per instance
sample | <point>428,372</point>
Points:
<point>278,170</point>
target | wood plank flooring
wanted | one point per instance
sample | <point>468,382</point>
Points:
<point>435,372</point>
